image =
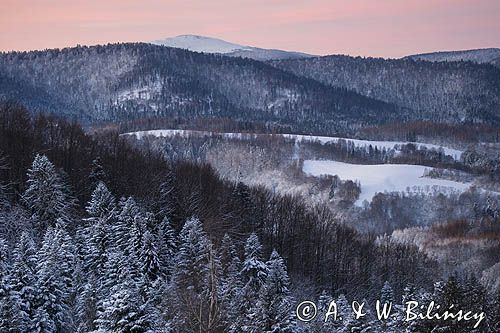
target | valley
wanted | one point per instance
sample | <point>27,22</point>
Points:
<point>350,174</point>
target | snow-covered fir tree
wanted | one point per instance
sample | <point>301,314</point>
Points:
<point>386,294</point>
<point>191,262</point>
<point>252,275</point>
<point>393,323</point>
<point>273,309</point>
<point>230,282</point>
<point>150,258</point>
<point>102,204</point>
<point>54,284</point>
<point>23,281</point>
<point>123,311</point>
<point>194,281</point>
<point>167,245</point>
<point>121,227</point>
<point>345,317</point>
<point>86,308</point>
<point>7,302</point>
<point>46,195</point>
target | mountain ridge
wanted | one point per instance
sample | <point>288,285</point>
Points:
<point>197,43</point>
<point>445,91</point>
<point>121,82</point>
<point>480,56</point>
<point>321,95</point>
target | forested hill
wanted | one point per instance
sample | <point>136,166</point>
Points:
<point>479,56</point>
<point>448,92</point>
<point>121,82</point>
<point>87,243</point>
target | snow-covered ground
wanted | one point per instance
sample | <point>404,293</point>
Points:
<point>384,178</point>
<point>299,138</point>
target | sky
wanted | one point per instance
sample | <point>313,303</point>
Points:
<point>382,28</point>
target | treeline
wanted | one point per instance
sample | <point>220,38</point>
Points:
<point>424,131</point>
<point>200,124</point>
<point>196,148</point>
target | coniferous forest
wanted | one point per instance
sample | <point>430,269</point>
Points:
<point>100,236</point>
<point>151,189</point>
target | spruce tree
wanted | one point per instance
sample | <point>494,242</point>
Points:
<point>7,302</point>
<point>230,283</point>
<point>122,227</point>
<point>192,279</point>
<point>191,269</point>
<point>97,173</point>
<point>345,318</point>
<point>253,275</point>
<point>53,286</point>
<point>86,308</point>
<point>102,204</point>
<point>324,302</point>
<point>124,311</point>
<point>150,259</point>
<point>23,279</point>
<point>393,322</point>
<point>254,270</point>
<point>274,306</point>
<point>167,246</point>
<point>46,195</point>
<point>386,295</point>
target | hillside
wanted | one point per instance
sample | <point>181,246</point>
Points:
<point>451,92</point>
<point>479,56</point>
<point>122,82</point>
<point>325,95</point>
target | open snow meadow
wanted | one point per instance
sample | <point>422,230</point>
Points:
<point>384,178</point>
<point>372,178</point>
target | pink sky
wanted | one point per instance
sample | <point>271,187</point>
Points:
<point>388,28</point>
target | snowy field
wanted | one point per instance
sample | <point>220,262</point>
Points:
<point>299,138</point>
<point>384,178</point>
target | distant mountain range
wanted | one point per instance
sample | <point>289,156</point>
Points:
<point>479,56</point>
<point>214,45</point>
<point>205,44</point>
<point>327,95</point>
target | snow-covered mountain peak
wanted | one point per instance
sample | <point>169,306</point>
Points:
<point>215,45</point>
<point>201,44</point>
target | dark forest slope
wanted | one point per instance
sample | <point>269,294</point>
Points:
<point>450,92</point>
<point>129,81</point>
